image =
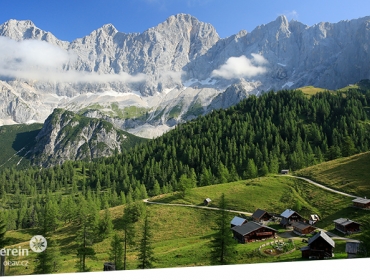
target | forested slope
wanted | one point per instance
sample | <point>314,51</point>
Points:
<point>258,136</point>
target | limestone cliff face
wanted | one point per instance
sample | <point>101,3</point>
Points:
<point>178,58</point>
<point>68,136</point>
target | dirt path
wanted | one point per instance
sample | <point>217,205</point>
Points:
<point>196,206</point>
<point>320,185</point>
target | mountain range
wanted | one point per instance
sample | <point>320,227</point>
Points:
<point>146,83</point>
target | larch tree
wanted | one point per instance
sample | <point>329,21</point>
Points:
<point>222,243</point>
<point>146,258</point>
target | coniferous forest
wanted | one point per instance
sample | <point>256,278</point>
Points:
<point>260,135</point>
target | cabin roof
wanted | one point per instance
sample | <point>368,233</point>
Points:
<point>344,221</point>
<point>314,217</point>
<point>258,213</point>
<point>300,225</point>
<point>237,221</point>
<point>249,227</point>
<point>324,236</point>
<point>361,200</point>
<point>287,213</point>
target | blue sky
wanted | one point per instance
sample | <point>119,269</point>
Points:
<point>71,19</point>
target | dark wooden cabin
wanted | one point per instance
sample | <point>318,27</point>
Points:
<point>252,231</point>
<point>261,215</point>
<point>363,203</point>
<point>320,246</point>
<point>346,226</point>
<point>288,217</point>
<point>302,228</point>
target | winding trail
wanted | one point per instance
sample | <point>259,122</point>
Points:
<point>197,206</point>
<point>320,185</point>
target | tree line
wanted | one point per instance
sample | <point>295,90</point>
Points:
<point>260,135</point>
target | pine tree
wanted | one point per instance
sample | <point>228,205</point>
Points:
<point>2,231</point>
<point>222,243</point>
<point>252,171</point>
<point>116,252</point>
<point>48,260</point>
<point>105,224</point>
<point>145,257</point>
<point>86,235</point>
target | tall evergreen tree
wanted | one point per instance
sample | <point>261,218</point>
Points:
<point>222,243</point>
<point>85,236</point>
<point>48,260</point>
<point>2,231</point>
<point>105,224</point>
<point>116,252</point>
<point>145,257</point>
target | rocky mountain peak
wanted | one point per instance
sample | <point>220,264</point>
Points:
<point>25,29</point>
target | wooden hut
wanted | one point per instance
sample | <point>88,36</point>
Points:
<point>252,231</point>
<point>302,228</point>
<point>363,203</point>
<point>288,217</point>
<point>320,246</point>
<point>284,171</point>
<point>352,248</point>
<point>346,226</point>
<point>261,215</point>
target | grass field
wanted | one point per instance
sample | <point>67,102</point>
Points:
<point>181,235</point>
<point>311,90</point>
<point>350,174</point>
<point>273,194</point>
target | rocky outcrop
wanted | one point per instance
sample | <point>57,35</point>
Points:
<point>68,136</point>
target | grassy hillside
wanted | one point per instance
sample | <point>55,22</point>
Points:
<point>362,85</point>
<point>181,235</point>
<point>12,139</point>
<point>311,90</point>
<point>349,174</point>
<point>275,194</point>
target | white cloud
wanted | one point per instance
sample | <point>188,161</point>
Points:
<point>241,67</point>
<point>291,15</point>
<point>39,60</point>
<point>259,59</point>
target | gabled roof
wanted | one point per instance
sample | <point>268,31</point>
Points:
<point>361,200</point>
<point>300,225</point>
<point>287,213</point>
<point>208,200</point>
<point>324,236</point>
<point>249,227</point>
<point>259,213</point>
<point>344,221</point>
<point>237,221</point>
<point>314,217</point>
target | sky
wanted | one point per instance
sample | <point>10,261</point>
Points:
<point>72,19</point>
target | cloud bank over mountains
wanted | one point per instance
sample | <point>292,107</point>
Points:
<point>42,61</point>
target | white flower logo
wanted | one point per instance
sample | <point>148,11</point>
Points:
<point>38,243</point>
